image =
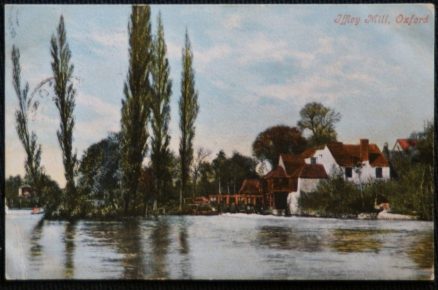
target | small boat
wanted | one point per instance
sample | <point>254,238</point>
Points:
<point>37,210</point>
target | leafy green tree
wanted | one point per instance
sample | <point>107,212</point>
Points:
<point>28,139</point>
<point>239,167</point>
<point>320,121</point>
<point>199,160</point>
<point>229,173</point>
<point>206,179</point>
<point>99,171</point>
<point>136,105</point>
<point>12,185</point>
<point>188,109</point>
<point>65,103</point>
<point>219,167</point>
<point>162,90</point>
<point>277,140</point>
<point>146,185</point>
<point>413,190</point>
<point>425,144</point>
<point>51,196</point>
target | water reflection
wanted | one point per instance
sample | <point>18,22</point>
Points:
<point>69,242</point>
<point>128,242</point>
<point>356,240</point>
<point>36,248</point>
<point>421,251</point>
<point>219,248</point>
<point>184,250</point>
<point>160,243</point>
<point>125,238</point>
<point>285,238</point>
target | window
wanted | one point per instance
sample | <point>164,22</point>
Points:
<point>348,172</point>
<point>379,172</point>
<point>313,160</point>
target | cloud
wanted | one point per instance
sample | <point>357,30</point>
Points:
<point>264,48</point>
<point>173,50</point>
<point>97,105</point>
<point>204,58</point>
<point>233,21</point>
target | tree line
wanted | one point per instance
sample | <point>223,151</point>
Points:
<point>145,116</point>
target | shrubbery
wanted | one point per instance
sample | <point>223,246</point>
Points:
<point>336,197</point>
<point>411,193</point>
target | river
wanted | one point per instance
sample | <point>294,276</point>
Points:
<point>229,246</point>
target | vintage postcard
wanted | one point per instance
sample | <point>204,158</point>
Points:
<point>219,142</point>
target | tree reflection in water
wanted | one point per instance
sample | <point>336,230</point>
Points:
<point>128,242</point>
<point>184,250</point>
<point>125,237</point>
<point>286,238</point>
<point>160,243</point>
<point>357,240</point>
<point>69,242</point>
<point>36,249</point>
<point>422,253</point>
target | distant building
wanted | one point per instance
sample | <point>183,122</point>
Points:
<point>251,186</point>
<point>250,193</point>
<point>405,145</point>
<point>25,191</point>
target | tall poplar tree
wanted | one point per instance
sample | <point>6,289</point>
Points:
<point>136,105</point>
<point>65,103</point>
<point>188,109</point>
<point>28,139</point>
<point>162,90</point>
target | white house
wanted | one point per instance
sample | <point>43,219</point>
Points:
<point>358,163</point>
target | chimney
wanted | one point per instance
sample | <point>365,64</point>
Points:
<point>364,149</point>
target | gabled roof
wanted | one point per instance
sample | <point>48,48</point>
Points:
<point>250,186</point>
<point>308,153</point>
<point>348,155</point>
<point>407,144</point>
<point>292,164</point>
<point>276,172</point>
<point>313,171</point>
<point>297,168</point>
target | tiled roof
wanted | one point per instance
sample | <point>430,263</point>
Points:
<point>313,171</point>
<point>308,153</point>
<point>250,186</point>
<point>378,160</point>
<point>277,172</point>
<point>406,144</point>
<point>292,163</point>
<point>350,154</point>
<point>296,167</point>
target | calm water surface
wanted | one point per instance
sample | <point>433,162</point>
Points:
<point>218,247</point>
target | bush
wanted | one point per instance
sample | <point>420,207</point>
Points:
<point>337,197</point>
<point>411,194</point>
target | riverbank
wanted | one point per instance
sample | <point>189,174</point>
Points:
<point>362,216</point>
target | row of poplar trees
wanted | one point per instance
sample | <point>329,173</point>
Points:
<point>147,91</point>
<point>145,112</point>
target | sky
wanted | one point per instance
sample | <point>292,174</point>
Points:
<point>256,66</point>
